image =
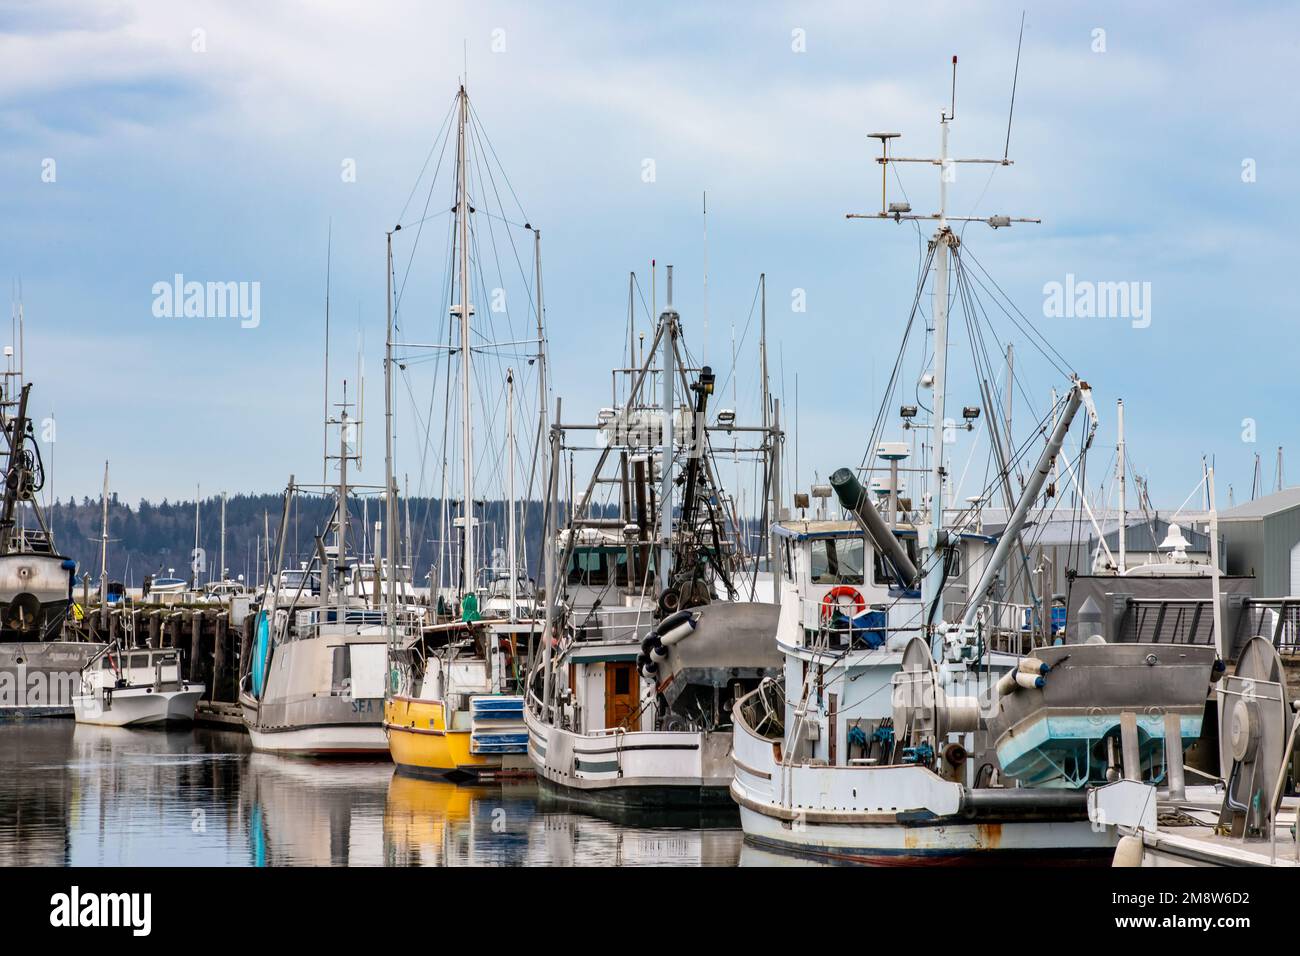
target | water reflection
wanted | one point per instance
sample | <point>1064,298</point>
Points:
<point>82,795</point>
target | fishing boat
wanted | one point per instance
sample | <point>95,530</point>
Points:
<point>137,687</point>
<point>632,711</point>
<point>39,670</point>
<point>454,704</point>
<point>920,719</point>
<point>315,679</point>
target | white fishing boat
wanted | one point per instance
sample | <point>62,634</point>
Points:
<point>632,712</point>
<point>315,679</point>
<point>919,719</point>
<point>137,687</point>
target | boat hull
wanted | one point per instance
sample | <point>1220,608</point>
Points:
<point>139,707</point>
<point>320,727</point>
<point>900,813</point>
<point>940,841</point>
<point>422,745</point>
<point>41,678</point>
<point>633,771</point>
<point>339,740</point>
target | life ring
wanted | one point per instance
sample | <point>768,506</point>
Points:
<point>830,602</point>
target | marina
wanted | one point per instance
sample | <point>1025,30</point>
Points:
<point>732,468</point>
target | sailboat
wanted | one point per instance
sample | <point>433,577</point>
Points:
<point>454,706</point>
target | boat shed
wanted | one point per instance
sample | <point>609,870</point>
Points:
<point>1262,537</point>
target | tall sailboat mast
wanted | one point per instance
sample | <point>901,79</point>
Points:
<point>465,310</point>
<point>510,520</point>
<point>390,483</point>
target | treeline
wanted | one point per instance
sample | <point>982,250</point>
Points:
<point>157,538</point>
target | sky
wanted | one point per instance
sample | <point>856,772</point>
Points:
<point>236,142</point>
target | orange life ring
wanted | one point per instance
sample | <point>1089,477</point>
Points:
<point>830,603</point>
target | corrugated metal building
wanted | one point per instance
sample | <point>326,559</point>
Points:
<point>1262,537</point>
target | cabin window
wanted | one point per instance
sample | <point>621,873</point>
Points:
<point>789,559</point>
<point>341,672</point>
<point>598,566</point>
<point>837,561</point>
<point>883,574</point>
<point>622,680</point>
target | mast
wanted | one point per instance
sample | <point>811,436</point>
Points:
<point>944,243</point>
<point>774,455</point>
<point>465,311</point>
<point>194,558</point>
<point>549,542</point>
<point>1120,469</point>
<point>325,463</point>
<point>510,519</point>
<point>390,506</point>
<point>932,584</point>
<point>769,433</point>
<point>669,321</point>
<point>103,557</point>
<point>541,357</point>
<point>222,569</point>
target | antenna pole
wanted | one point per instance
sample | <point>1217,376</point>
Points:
<point>704,347</point>
<point>1015,77</point>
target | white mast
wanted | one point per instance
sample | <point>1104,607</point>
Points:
<point>194,558</point>
<point>943,239</point>
<point>1120,470</point>
<point>465,310</point>
<point>103,558</point>
<point>543,444</point>
<point>510,519</point>
<point>390,506</point>
<point>222,569</point>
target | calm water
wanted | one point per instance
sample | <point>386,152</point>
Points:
<point>86,796</point>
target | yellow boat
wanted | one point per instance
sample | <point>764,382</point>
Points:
<point>448,715</point>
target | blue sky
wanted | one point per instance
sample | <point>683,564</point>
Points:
<point>225,165</point>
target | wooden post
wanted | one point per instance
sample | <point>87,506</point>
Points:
<point>155,629</point>
<point>196,645</point>
<point>245,642</point>
<point>220,641</point>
